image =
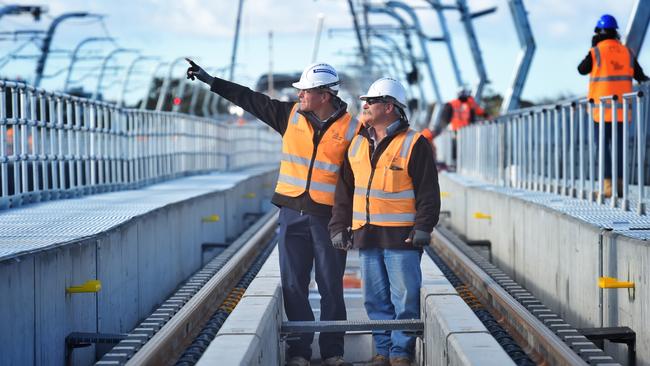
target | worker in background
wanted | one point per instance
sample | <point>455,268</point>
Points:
<point>388,195</point>
<point>457,114</point>
<point>316,132</point>
<point>611,67</point>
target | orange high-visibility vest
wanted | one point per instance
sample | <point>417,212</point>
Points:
<point>383,196</point>
<point>611,73</point>
<point>313,169</point>
<point>462,112</point>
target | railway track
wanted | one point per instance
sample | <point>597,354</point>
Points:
<point>545,337</point>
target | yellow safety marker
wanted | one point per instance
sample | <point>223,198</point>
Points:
<point>250,195</point>
<point>89,286</point>
<point>444,194</point>
<point>482,216</point>
<point>611,282</point>
<point>211,218</point>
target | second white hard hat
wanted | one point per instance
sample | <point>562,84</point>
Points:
<point>387,88</point>
<point>318,75</point>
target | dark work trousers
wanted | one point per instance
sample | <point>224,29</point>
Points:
<point>608,150</point>
<point>304,240</point>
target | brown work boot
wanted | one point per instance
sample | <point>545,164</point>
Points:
<point>400,361</point>
<point>607,187</point>
<point>335,361</point>
<point>378,360</point>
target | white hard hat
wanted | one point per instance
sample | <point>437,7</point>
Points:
<point>318,75</point>
<point>387,88</point>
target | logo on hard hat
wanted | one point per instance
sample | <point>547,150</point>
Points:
<point>325,70</point>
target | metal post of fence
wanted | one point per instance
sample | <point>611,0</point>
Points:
<point>563,158</point>
<point>530,164</point>
<point>581,146</point>
<point>590,132</point>
<point>626,117</point>
<point>572,155</point>
<point>614,150</point>
<point>640,133</point>
<point>556,150</point>
<point>601,151</point>
<point>4,189</point>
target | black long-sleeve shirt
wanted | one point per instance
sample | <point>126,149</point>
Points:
<point>421,169</point>
<point>275,113</point>
<point>587,64</point>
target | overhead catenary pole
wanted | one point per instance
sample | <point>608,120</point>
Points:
<point>269,80</point>
<point>362,46</point>
<point>233,56</point>
<point>143,102</point>
<point>637,26</point>
<point>129,71</point>
<point>74,58</point>
<point>525,35</point>
<point>466,18</point>
<point>98,88</point>
<point>446,37</point>
<point>47,41</point>
<point>319,30</point>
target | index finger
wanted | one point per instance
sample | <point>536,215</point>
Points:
<point>190,61</point>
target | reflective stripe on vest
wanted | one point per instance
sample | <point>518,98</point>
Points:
<point>383,196</point>
<point>378,219</point>
<point>611,74</point>
<point>303,183</point>
<point>315,170</point>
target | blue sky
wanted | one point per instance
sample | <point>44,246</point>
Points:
<point>203,29</point>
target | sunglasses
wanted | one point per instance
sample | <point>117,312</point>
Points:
<point>371,101</point>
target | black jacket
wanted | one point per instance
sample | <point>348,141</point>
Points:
<point>423,172</point>
<point>275,113</point>
<point>586,65</point>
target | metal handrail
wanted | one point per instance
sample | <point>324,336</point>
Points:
<point>552,148</point>
<point>55,145</point>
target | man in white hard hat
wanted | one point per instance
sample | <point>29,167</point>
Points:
<point>315,135</point>
<point>388,194</point>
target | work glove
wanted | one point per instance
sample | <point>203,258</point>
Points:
<point>195,71</point>
<point>342,240</point>
<point>419,238</point>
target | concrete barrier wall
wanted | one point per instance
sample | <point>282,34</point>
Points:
<point>556,257</point>
<point>453,335</point>
<point>139,262</point>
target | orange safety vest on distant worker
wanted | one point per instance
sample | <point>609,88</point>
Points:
<point>383,196</point>
<point>315,169</point>
<point>611,74</point>
<point>462,112</point>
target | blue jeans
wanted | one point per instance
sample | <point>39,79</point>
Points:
<point>305,243</point>
<point>391,287</point>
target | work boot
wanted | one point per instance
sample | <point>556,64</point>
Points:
<point>298,361</point>
<point>400,361</point>
<point>335,361</point>
<point>378,360</point>
<point>607,188</point>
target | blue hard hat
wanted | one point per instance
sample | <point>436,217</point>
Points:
<point>607,22</point>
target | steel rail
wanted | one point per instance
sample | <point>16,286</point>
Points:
<point>527,329</point>
<point>172,339</point>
